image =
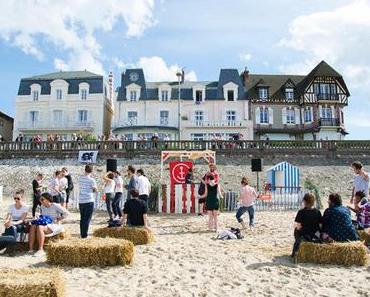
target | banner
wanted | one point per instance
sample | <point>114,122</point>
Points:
<point>87,156</point>
<point>179,170</point>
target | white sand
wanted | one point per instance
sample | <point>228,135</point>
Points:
<point>186,261</point>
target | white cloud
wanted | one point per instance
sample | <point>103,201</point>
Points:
<point>245,57</point>
<point>341,37</point>
<point>70,26</point>
<point>156,69</point>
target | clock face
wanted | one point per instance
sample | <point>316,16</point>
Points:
<point>134,76</point>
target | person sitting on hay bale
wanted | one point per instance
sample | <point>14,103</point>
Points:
<point>14,222</point>
<point>49,224</point>
<point>307,223</point>
<point>362,210</point>
<point>135,210</point>
<point>337,222</point>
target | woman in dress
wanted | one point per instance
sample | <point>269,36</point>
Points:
<point>212,192</point>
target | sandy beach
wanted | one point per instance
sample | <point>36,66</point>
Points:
<point>186,260</point>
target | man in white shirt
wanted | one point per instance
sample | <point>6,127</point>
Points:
<point>118,194</point>
<point>144,186</point>
<point>361,181</point>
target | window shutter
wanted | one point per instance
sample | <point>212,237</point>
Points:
<point>297,119</point>
<point>283,115</point>
<point>258,115</point>
<point>320,111</point>
<point>271,115</point>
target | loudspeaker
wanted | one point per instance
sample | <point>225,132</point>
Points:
<point>256,165</point>
<point>111,165</point>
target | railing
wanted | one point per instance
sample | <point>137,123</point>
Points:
<point>32,125</point>
<point>216,124</point>
<point>329,122</point>
<point>148,147</point>
<point>330,97</point>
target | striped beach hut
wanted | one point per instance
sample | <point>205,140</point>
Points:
<point>283,177</point>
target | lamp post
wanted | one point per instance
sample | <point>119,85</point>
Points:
<point>179,78</point>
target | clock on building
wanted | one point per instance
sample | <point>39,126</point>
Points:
<point>134,76</point>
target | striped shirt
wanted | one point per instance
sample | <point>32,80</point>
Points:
<point>54,211</point>
<point>87,184</point>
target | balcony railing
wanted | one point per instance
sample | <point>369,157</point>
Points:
<point>217,124</point>
<point>330,97</point>
<point>329,122</point>
<point>43,125</point>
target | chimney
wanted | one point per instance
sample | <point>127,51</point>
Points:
<point>110,82</point>
<point>246,73</point>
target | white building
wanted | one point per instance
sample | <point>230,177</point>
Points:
<point>63,103</point>
<point>207,109</point>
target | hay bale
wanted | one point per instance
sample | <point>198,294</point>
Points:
<point>90,252</point>
<point>365,236</point>
<point>136,235</point>
<point>28,282</point>
<point>346,253</point>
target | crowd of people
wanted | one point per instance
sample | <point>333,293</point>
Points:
<point>51,202</point>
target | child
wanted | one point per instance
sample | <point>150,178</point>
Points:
<point>362,210</point>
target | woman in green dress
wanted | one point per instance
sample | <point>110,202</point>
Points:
<point>212,192</point>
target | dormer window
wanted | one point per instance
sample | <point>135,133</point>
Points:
<point>230,91</point>
<point>198,96</point>
<point>289,94</point>
<point>199,92</point>
<point>230,95</point>
<point>133,92</point>
<point>133,95</point>
<point>262,93</point>
<point>59,94</point>
<point>35,95</point>
<point>83,94</point>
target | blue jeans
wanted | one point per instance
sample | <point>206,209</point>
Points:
<point>9,237</point>
<point>244,209</point>
<point>116,204</point>
<point>86,212</point>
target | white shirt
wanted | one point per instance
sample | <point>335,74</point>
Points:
<point>15,213</point>
<point>63,184</point>
<point>54,183</point>
<point>360,184</point>
<point>86,185</point>
<point>119,184</point>
<point>143,185</point>
<point>109,186</point>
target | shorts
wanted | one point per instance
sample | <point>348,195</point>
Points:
<point>202,200</point>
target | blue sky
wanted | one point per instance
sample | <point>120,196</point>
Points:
<point>268,36</point>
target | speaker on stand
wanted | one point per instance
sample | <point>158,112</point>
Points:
<point>257,167</point>
<point>111,165</point>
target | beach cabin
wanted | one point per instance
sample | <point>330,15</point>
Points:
<point>283,177</point>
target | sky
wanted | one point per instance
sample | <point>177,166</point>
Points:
<point>267,36</point>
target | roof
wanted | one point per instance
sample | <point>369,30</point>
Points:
<point>281,166</point>
<point>4,115</point>
<point>64,75</point>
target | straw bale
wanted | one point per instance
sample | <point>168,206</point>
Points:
<point>365,236</point>
<point>339,253</point>
<point>31,282</point>
<point>90,252</point>
<point>136,235</point>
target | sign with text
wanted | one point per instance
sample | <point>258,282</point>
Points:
<point>87,156</point>
<point>179,170</point>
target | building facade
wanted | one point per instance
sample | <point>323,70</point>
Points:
<point>205,109</point>
<point>6,127</point>
<point>291,107</point>
<point>63,104</point>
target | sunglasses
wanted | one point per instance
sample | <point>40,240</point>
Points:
<point>17,198</point>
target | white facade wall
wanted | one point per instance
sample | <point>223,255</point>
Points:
<point>97,106</point>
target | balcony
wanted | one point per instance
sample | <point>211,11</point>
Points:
<point>47,125</point>
<point>327,97</point>
<point>216,124</point>
<point>329,122</point>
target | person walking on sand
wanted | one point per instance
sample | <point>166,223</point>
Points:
<point>361,181</point>
<point>248,196</point>
<point>88,188</point>
<point>212,191</point>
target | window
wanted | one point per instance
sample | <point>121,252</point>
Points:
<point>34,117</point>
<point>82,116</point>
<point>59,94</point>
<point>133,95</point>
<point>132,117</point>
<point>230,95</point>
<point>326,113</point>
<point>326,91</point>
<point>231,116</point>
<point>289,94</point>
<point>198,136</point>
<point>164,95</point>
<point>290,115</point>
<point>264,115</point>
<point>164,115</point>
<point>199,117</point>
<point>35,95</point>
<point>58,118</point>
<point>83,94</point>
<point>198,97</point>
<point>262,93</point>
<point>307,115</point>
